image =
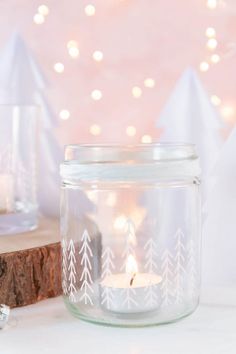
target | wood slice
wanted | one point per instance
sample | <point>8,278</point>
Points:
<point>30,265</point>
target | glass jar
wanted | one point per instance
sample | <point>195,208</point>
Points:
<point>18,201</point>
<point>130,226</point>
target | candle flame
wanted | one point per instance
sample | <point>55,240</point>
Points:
<point>131,265</point>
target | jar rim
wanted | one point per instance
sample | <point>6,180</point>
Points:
<point>99,153</point>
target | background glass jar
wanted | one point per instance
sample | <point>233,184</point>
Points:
<point>130,225</point>
<point>18,201</point>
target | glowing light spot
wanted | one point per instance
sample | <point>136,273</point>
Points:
<point>131,266</point>
<point>96,95</point>
<point>59,68</point>
<point>212,43</point>
<point>215,58</point>
<point>204,66</point>
<point>211,4</point>
<point>73,52</point>
<point>93,196</point>
<point>119,222</point>
<point>215,100</point>
<point>228,112</point>
<point>39,19</point>
<point>146,139</point>
<point>64,114</point>
<point>131,130</point>
<point>150,83</point>
<point>210,32</point>
<point>72,43</point>
<point>95,129</point>
<point>111,199</point>
<point>136,92</point>
<point>97,55</point>
<point>43,10</point>
<point>90,10</point>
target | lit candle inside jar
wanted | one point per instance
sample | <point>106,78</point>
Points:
<point>132,291</point>
<point>6,193</point>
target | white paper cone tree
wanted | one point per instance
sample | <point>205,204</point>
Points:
<point>219,230</point>
<point>22,82</point>
<point>189,116</point>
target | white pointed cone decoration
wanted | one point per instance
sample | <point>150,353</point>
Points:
<point>21,82</point>
<point>190,117</point>
<point>219,230</point>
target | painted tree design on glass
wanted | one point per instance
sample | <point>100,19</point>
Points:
<point>150,266</point>
<point>179,266</point>
<point>64,266</point>
<point>129,295</point>
<point>107,262</point>
<point>71,271</point>
<point>130,242</point>
<point>86,253</point>
<point>150,256</point>
<point>107,268</point>
<point>191,266</point>
<point>167,267</point>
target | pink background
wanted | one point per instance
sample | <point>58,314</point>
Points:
<point>139,39</point>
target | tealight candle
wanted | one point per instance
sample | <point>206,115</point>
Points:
<point>130,292</point>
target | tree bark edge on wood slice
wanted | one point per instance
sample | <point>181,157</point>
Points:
<point>33,274</point>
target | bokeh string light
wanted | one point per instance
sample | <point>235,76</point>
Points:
<point>42,12</point>
<point>96,95</point>
<point>64,114</point>
<point>59,67</point>
<point>136,92</point>
<point>146,139</point>
<point>90,10</point>
<point>95,129</point>
<point>98,55</point>
<point>212,57</point>
<point>131,130</point>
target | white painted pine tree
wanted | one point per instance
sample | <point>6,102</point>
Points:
<point>64,266</point>
<point>150,256</point>
<point>151,298</point>
<point>191,268</point>
<point>179,266</point>
<point>22,83</point>
<point>71,272</point>
<point>86,255</point>
<point>107,269</point>
<point>130,242</point>
<point>107,262</point>
<point>129,295</point>
<point>167,267</point>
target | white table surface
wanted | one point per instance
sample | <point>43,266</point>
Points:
<point>47,327</point>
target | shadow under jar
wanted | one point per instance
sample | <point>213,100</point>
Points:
<point>130,227</point>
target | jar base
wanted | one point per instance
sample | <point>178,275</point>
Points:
<point>159,317</point>
<point>19,222</point>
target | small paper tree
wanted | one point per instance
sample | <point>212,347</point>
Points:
<point>219,229</point>
<point>22,82</point>
<point>189,116</point>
